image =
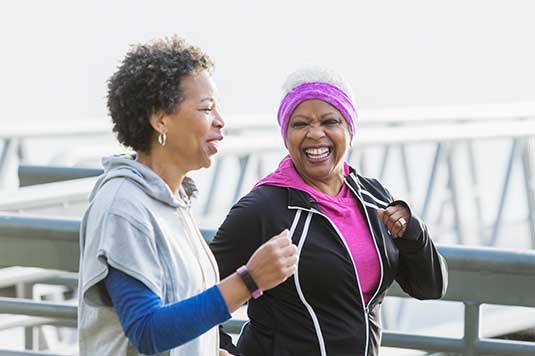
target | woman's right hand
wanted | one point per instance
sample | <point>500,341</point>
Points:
<point>274,261</point>
<point>271,264</point>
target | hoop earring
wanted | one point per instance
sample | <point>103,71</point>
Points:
<point>162,138</point>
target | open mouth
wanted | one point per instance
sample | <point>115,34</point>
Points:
<point>212,145</point>
<point>317,154</point>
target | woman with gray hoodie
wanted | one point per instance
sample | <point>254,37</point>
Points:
<point>148,282</point>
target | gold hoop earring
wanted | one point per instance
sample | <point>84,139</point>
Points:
<point>162,138</point>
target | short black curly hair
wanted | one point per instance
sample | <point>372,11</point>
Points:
<point>147,82</point>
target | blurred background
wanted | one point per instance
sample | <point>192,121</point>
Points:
<point>445,94</point>
<point>57,55</point>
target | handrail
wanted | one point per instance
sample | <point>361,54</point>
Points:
<point>36,174</point>
<point>400,115</point>
<point>479,259</point>
<point>477,276</point>
<point>40,195</point>
<point>26,353</point>
<point>41,309</point>
<point>375,136</point>
<point>453,142</point>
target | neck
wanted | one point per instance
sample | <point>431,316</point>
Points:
<point>330,186</point>
<point>164,167</point>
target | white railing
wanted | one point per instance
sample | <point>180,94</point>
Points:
<point>436,158</point>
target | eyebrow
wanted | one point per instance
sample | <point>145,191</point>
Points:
<point>322,116</point>
<point>207,99</point>
<point>301,116</point>
<point>330,113</point>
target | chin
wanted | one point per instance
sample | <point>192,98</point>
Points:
<point>207,163</point>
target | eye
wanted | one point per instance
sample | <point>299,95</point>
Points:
<point>207,110</point>
<point>298,124</point>
<point>331,122</point>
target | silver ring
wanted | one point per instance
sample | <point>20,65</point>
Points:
<point>402,221</point>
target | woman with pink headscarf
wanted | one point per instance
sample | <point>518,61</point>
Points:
<point>353,238</point>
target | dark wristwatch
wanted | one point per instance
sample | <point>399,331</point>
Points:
<point>251,285</point>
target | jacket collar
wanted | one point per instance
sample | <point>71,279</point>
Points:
<point>352,180</point>
<point>301,199</point>
<point>298,198</point>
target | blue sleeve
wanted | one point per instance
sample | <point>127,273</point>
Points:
<point>152,327</point>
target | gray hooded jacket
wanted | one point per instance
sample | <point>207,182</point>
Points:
<point>137,225</point>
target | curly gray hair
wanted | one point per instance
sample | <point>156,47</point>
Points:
<point>320,74</point>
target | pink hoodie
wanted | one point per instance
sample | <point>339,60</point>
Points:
<point>344,212</point>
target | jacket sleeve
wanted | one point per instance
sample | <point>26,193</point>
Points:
<point>153,327</point>
<point>235,241</point>
<point>422,271</point>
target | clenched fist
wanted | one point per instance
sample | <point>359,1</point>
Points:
<point>396,218</point>
<point>273,262</point>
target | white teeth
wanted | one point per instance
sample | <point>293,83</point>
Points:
<point>317,151</point>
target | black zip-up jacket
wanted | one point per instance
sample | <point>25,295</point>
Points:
<point>319,311</point>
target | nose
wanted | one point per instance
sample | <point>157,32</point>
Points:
<point>218,120</point>
<point>315,132</point>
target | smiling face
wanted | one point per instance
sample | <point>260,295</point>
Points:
<point>194,131</point>
<point>317,140</point>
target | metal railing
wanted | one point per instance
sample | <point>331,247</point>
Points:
<point>445,150</point>
<point>450,146</point>
<point>447,140</point>
<point>476,276</point>
<point>35,174</point>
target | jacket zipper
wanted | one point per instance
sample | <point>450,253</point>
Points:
<point>376,248</point>
<point>374,242</point>
<point>364,306</point>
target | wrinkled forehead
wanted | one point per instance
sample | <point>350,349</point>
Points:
<point>315,107</point>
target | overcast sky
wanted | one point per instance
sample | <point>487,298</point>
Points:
<point>57,55</point>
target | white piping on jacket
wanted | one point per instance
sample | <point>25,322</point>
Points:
<point>365,309</point>
<point>443,268</point>
<point>315,320</point>
<point>378,201</point>
<point>295,222</point>
<point>302,240</point>
<point>371,205</point>
<point>357,182</point>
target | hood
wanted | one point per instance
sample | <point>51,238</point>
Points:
<point>287,176</point>
<point>125,166</point>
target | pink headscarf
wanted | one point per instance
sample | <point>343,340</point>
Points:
<point>321,91</point>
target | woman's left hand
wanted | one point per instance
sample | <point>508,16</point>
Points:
<point>396,219</point>
<point>224,353</point>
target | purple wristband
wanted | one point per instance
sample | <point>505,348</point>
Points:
<point>249,282</point>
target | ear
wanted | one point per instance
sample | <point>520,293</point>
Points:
<point>159,122</point>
